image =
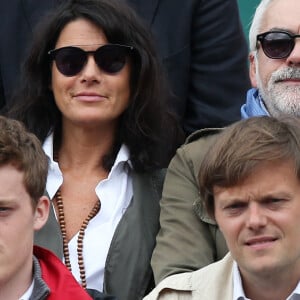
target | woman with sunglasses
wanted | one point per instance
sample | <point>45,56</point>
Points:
<point>93,92</point>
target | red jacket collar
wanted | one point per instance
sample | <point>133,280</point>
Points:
<point>59,279</point>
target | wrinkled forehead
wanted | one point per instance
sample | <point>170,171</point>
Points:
<point>282,14</point>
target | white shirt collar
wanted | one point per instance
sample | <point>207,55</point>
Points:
<point>295,295</point>
<point>55,177</point>
<point>27,294</point>
<point>238,291</point>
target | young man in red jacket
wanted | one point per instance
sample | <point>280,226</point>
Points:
<point>26,273</point>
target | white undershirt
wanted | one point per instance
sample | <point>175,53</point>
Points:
<point>115,193</point>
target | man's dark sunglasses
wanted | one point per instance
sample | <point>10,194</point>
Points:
<point>110,58</point>
<point>277,44</point>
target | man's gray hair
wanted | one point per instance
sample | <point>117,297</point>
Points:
<point>256,24</point>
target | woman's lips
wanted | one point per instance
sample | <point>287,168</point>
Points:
<point>90,97</point>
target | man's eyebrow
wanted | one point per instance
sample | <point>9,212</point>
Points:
<point>7,201</point>
<point>280,29</point>
<point>277,195</point>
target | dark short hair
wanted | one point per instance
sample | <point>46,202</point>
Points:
<point>245,145</point>
<point>24,151</point>
<point>147,126</point>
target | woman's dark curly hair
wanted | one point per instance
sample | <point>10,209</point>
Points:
<point>147,126</point>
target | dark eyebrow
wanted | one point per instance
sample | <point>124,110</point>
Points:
<point>279,195</point>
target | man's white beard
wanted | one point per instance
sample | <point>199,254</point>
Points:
<point>280,97</point>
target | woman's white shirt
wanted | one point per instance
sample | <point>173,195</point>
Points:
<point>115,193</point>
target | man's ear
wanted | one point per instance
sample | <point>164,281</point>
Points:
<point>252,69</point>
<point>41,212</point>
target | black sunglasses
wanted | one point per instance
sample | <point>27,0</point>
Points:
<point>277,44</point>
<point>110,58</point>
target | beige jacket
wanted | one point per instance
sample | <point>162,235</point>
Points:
<point>213,282</point>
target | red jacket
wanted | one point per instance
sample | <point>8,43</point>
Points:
<point>62,284</point>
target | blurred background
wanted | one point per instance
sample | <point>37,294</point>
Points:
<point>247,8</point>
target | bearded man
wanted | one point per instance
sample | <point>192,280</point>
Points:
<point>189,238</point>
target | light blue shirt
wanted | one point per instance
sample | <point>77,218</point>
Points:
<point>254,105</point>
